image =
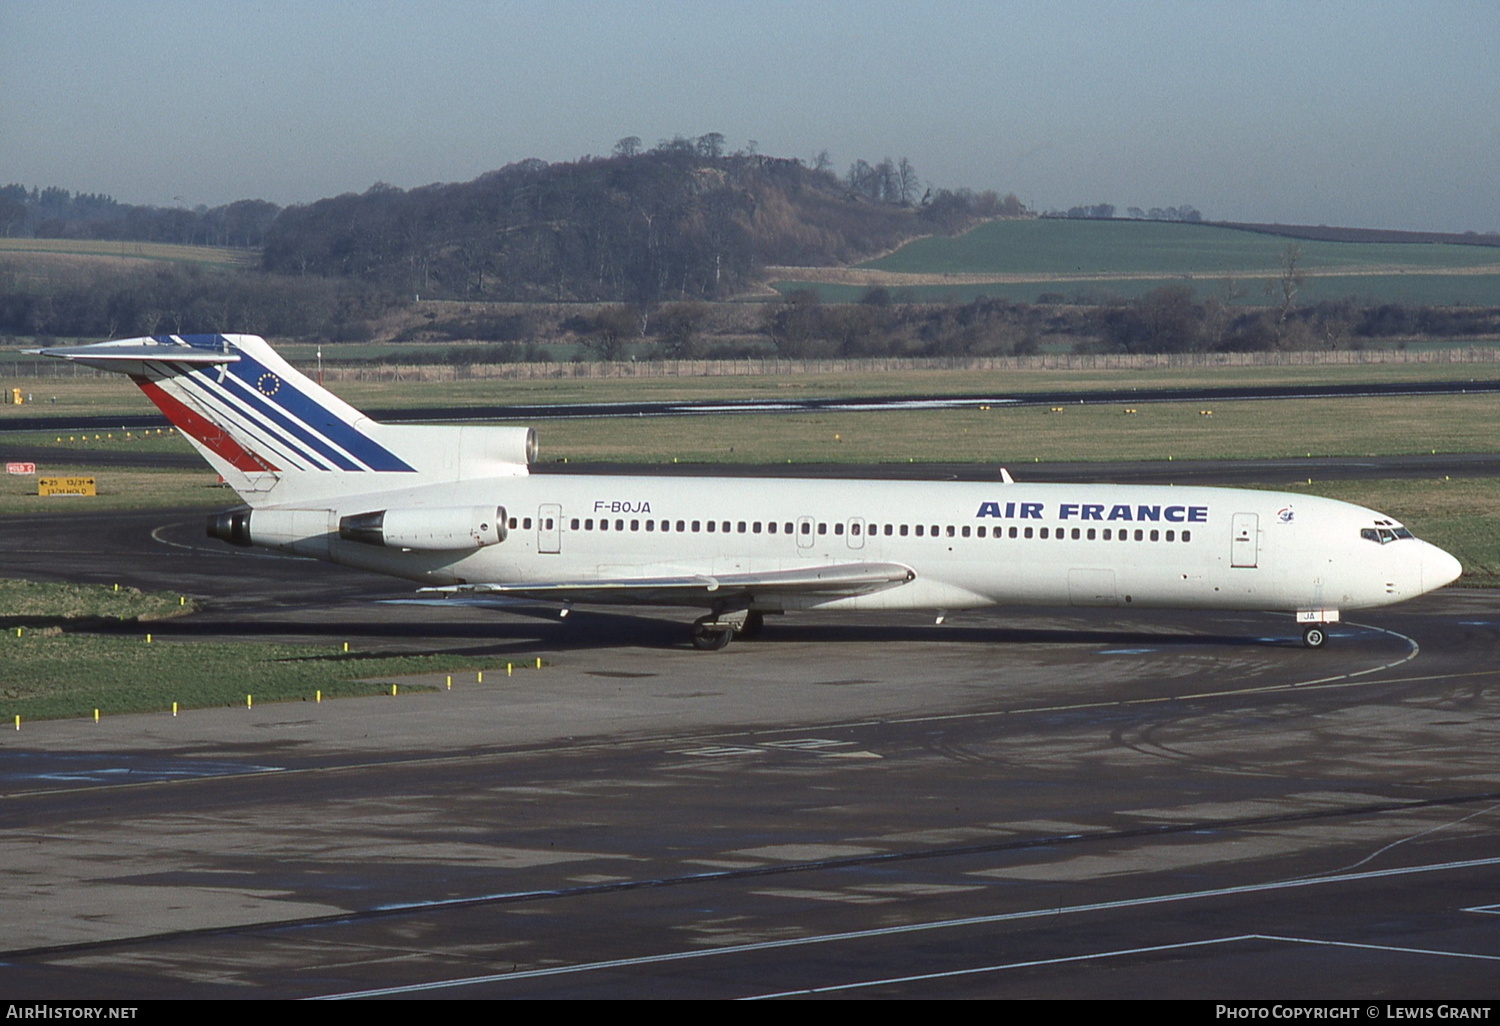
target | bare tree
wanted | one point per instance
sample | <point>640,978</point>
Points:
<point>1286,286</point>
<point>907,176</point>
<point>711,145</point>
<point>628,146</point>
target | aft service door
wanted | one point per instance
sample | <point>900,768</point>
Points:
<point>1244,546</point>
<point>549,528</point>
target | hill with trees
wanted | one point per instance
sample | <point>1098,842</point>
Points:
<point>680,221</point>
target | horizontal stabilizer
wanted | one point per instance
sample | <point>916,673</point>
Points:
<point>118,355</point>
<point>834,581</point>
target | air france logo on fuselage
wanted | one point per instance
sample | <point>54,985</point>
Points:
<point>1285,514</point>
<point>1095,511</point>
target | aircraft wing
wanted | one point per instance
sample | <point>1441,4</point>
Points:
<point>835,581</point>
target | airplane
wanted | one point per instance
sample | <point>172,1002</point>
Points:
<point>455,508</point>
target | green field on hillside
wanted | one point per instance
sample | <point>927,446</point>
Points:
<point>1366,289</point>
<point>1086,261</point>
<point>1058,246</point>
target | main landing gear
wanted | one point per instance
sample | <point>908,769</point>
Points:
<point>717,630</point>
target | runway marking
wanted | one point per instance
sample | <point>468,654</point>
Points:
<point>1152,949</point>
<point>214,550</point>
<point>941,924</point>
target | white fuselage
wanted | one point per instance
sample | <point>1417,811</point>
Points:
<point>969,544</point>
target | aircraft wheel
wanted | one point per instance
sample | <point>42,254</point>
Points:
<point>754,622</point>
<point>1314,636</point>
<point>710,639</point>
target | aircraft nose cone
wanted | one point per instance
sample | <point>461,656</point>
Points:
<point>1439,568</point>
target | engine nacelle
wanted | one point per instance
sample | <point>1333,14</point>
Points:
<point>304,531</point>
<point>427,529</point>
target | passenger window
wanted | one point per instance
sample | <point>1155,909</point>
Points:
<point>1044,532</point>
<point>1171,535</point>
<point>755,527</point>
<point>526,524</point>
<point>1075,534</point>
<point>682,524</point>
<point>838,529</point>
<point>919,530</point>
<point>1013,533</point>
<point>725,527</point>
<point>822,528</point>
<point>742,527</point>
<point>697,526</point>
<point>807,528</point>
<point>771,527</point>
<point>1028,531</point>
<point>1155,535</point>
<point>650,525</point>
<point>1108,536</point>
<point>853,528</point>
<point>512,523</point>
<point>573,526</point>
<point>966,531</point>
<point>788,527</point>
<point>980,532</point>
<point>1187,536</point>
<point>1091,534</point>
<point>1139,534</point>
<point>888,530</point>
<point>903,530</point>
<point>711,527</point>
<point>604,525</point>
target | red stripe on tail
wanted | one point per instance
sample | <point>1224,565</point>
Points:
<point>204,430</point>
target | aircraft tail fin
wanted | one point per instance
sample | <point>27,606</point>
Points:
<point>276,436</point>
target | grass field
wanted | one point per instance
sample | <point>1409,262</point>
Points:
<point>207,256</point>
<point>115,394</point>
<point>60,658</point>
<point>1414,289</point>
<point>119,488</point>
<point>1057,246</point>
<point>1235,430</point>
<point>1355,426</point>
<point>1020,260</point>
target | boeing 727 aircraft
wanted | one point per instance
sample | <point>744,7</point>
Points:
<point>455,508</point>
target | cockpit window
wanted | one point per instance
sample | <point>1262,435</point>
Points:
<point>1384,535</point>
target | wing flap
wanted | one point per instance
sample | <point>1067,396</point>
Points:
<point>838,580</point>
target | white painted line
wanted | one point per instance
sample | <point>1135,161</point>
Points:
<point>923,977</point>
<point>890,931</point>
<point>835,988</point>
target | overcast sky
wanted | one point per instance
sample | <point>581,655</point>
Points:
<point>1354,113</point>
